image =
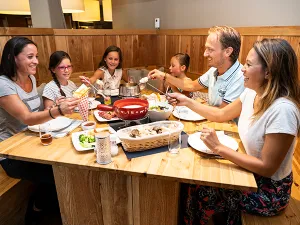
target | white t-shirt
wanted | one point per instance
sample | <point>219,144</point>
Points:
<point>282,116</point>
<point>51,90</point>
<point>111,81</point>
<point>227,87</point>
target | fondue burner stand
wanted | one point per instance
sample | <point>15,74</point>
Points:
<point>129,123</point>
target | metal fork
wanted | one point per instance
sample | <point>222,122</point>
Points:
<point>96,89</point>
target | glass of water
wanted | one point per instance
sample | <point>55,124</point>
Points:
<point>174,143</point>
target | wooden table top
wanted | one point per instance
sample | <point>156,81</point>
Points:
<point>187,167</point>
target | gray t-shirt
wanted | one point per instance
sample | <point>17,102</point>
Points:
<point>281,117</point>
<point>9,125</point>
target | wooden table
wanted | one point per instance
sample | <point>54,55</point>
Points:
<point>139,191</point>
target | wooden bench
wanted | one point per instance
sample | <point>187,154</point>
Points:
<point>291,215</point>
<point>14,196</point>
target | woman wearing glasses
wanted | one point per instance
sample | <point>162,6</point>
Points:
<point>61,69</point>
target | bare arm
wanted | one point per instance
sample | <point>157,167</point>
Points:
<point>48,103</point>
<point>229,112</point>
<point>98,74</point>
<point>16,108</point>
<point>223,104</point>
<point>273,153</point>
<point>184,84</point>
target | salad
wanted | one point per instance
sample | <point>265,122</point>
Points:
<point>159,108</point>
<point>87,140</point>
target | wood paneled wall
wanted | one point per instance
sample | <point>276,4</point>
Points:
<point>192,41</point>
<point>140,47</point>
<point>86,47</point>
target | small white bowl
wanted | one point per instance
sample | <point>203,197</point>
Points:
<point>88,125</point>
<point>155,115</point>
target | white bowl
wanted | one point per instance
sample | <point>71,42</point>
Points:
<point>88,125</point>
<point>155,115</point>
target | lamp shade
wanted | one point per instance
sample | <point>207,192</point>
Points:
<point>107,10</point>
<point>15,7</point>
<point>91,13</point>
<point>72,6</point>
<point>21,7</point>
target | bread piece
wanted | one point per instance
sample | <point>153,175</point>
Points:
<point>81,91</point>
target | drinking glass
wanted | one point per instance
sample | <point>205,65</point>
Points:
<point>174,143</point>
<point>45,133</point>
<point>130,79</point>
<point>107,99</point>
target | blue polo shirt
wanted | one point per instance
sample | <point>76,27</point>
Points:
<point>227,87</point>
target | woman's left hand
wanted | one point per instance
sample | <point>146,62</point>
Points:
<point>210,139</point>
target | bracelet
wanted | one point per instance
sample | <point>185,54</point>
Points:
<point>51,114</point>
<point>59,110</point>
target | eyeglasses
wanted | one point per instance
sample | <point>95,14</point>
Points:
<point>63,68</point>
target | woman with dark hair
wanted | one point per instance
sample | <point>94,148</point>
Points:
<point>269,121</point>
<point>61,69</point>
<point>19,107</point>
<point>19,101</point>
<point>110,69</point>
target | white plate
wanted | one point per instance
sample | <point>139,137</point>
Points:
<point>196,143</point>
<point>55,124</point>
<point>100,119</point>
<point>92,104</point>
<point>76,143</point>
<point>184,113</point>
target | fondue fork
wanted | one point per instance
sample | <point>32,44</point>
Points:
<point>96,89</point>
<point>157,89</point>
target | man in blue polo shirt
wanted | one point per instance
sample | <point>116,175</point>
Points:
<point>224,80</point>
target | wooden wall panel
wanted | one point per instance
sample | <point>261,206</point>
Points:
<point>46,46</point>
<point>172,47</point>
<point>144,52</point>
<point>110,40</point>
<point>198,62</point>
<point>98,50</point>
<point>247,43</point>
<point>140,47</point>
<point>126,43</point>
<point>161,50</point>
<point>185,45</point>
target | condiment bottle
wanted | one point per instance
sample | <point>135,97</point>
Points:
<point>113,145</point>
<point>103,154</point>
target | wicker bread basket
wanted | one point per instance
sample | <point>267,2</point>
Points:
<point>131,144</point>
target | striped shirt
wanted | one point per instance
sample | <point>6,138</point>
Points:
<point>9,125</point>
<point>227,87</point>
<point>51,90</point>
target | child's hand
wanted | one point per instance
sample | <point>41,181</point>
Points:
<point>156,74</point>
<point>85,80</point>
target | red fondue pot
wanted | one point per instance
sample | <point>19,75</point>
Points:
<point>128,109</point>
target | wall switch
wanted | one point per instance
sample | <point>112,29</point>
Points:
<point>157,23</point>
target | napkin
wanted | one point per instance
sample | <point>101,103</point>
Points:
<point>63,133</point>
<point>83,107</point>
